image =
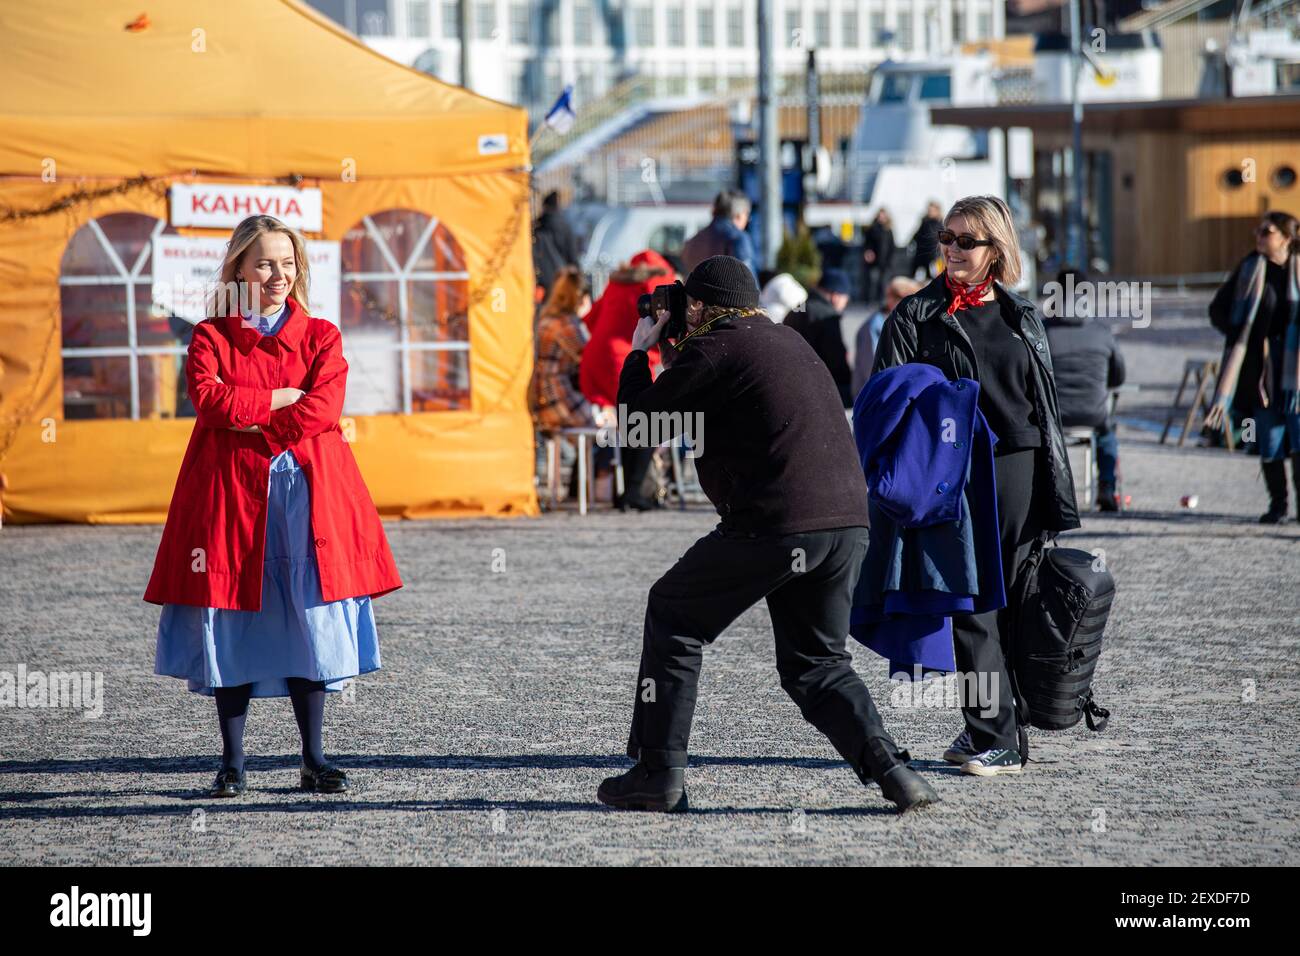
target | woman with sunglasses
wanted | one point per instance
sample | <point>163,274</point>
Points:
<point>1258,312</point>
<point>969,324</point>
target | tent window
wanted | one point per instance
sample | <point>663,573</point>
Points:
<point>404,315</point>
<point>120,359</point>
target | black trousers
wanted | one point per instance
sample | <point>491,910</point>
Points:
<point>808,581</point>
<point>980,640</point>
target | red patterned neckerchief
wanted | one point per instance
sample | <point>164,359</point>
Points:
<point>965,296</point>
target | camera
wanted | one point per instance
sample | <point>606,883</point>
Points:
<point>670,299</point>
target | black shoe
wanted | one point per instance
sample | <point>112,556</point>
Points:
<point>1107,499</point>
<point>907,789</point>
<point>659,791</point>
<point>229,783</point>
<point>630,503</point>
<point>326,778</point>
<point>1275,481</point>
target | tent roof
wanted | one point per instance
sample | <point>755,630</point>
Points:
<point>228,87</point>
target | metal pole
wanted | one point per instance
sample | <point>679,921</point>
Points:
<point>1076,244</point>
<point>463,13</point>
<point>812,93</point>
<point>769,153</point>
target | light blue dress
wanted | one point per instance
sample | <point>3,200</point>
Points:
<point>296,634</point>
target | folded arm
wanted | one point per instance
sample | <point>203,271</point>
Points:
<point>321,405</point>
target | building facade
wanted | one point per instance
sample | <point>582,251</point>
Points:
<point>526,52</point>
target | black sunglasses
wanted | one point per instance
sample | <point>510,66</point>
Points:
<point>966,243</point>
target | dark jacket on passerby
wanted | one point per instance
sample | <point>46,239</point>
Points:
<point>1087,364</point>
<point>554,246</point>
<point>778,456</point>
<point>920,330</point>
<point>879,238</point>
<point>1270,324</point>
<point>819,323</point>
<point>926,242</point>
<point>721,237</point>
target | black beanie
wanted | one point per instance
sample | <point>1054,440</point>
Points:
<point>725,281</point>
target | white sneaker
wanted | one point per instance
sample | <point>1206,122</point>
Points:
<point>961,749</point>
<point>991,763</point>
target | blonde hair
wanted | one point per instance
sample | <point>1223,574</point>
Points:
<point>246,233</point>
<point>990,215</point>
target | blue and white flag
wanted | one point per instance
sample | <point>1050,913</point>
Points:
<point>561,115</point>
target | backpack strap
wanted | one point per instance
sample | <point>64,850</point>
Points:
<point>1026,569</point>
<point>1096,715</point>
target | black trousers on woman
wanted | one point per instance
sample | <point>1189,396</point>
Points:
<point>807,580</point>
<point>980,640</point>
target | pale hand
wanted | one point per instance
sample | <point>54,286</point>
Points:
<point>648,331</point>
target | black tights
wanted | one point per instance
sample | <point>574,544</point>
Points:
<point>308,697</point>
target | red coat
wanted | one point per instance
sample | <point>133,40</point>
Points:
<point>612,321</point>
<point>220,500</point>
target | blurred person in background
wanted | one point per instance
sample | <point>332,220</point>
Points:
<point>554,244</point>
<point>554,395</point>
<point>1258,311</point>
<point>725,235</point>
<point>877,255</point>
<point>819,323</point>
<point>864,345</point>
<point>1088,364</point>
<point>925,243</point>
<point>612,320</point>
<point>781,295</point>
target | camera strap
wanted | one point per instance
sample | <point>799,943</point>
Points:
<point>703,327</point>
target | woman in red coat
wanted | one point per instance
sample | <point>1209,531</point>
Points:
<point>612,321</point>
<point>273,547</point>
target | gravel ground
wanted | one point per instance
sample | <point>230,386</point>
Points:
<point>505,696</point>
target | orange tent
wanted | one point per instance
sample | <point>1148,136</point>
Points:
<point>131,137</point>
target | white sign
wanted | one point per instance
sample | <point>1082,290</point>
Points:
<point>224,206</point>
<point>186,268</point>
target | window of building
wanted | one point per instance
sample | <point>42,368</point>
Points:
<point>451,20</point>
<point>984,25</point>
<point>735,26</point>
<point>404,315</point>
<point>643,26</point>
<point>121,357</point>
<point>958,24</point>
<point>704,25</point>
<point>675,25</point>
<point>707,83</point>
<point>822,27</point>
<point>903,30</point>
<point>521,24</point>
<point>876,27</point>
<point>794,26</point>
<point>417,19</point>
<point>849,29</point>
<point>582,20</point>
<point>485,20</point>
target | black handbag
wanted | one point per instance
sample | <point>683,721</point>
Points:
<point>1062,604</point>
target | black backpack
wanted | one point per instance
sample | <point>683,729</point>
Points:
<point>1063,601</point>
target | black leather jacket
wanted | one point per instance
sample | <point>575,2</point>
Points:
<point>920,330</point>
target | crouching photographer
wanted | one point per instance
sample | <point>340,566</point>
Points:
<point>780,467</point>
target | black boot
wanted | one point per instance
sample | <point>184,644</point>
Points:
<point>907,789</point>
<point>884,763</point>
<point>1275,480</point>
<point>641,788</point>
<point>1107,500</point>
<point>1295,482</point>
